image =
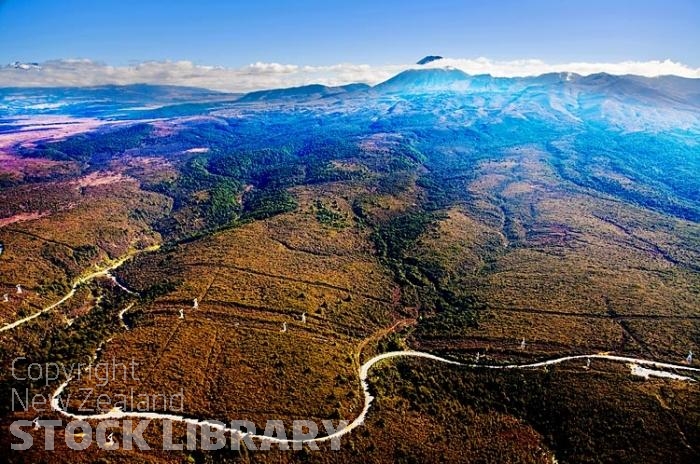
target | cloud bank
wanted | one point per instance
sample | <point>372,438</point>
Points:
<point>256,76</point>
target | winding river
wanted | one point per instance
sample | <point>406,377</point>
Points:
<point>634,363</point>
<point>652,368</point>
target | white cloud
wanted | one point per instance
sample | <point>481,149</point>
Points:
<point>533,67</point>
<point>82,72</point>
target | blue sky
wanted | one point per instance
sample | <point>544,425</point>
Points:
<point>323,32</point>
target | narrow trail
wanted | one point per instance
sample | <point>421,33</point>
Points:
<point>547,312</point>
<point>398,325</point>
<point>81,281</point>
<point>291,279</point>
<point>364,370</point>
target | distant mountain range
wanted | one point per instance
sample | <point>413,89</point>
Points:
<point>628,101</point>
<point>110,101</point>
<point>303,92</point>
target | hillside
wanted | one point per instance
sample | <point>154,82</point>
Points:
<point>254,252</point>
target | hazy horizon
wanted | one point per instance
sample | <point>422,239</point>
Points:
<point>260,76</point>
<point>241,46</point>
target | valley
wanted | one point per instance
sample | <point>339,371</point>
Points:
<point>455,247</point>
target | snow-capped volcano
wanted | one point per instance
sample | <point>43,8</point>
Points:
<point>427,80</point>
